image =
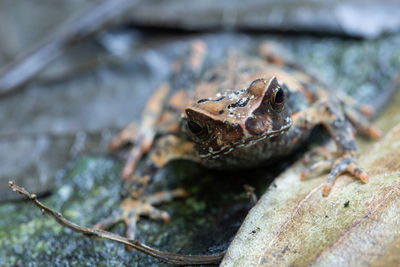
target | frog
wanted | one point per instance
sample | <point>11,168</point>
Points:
<point>246,111</point>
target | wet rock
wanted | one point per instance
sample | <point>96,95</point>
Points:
<point>356,225</point>
<point>90,191</point>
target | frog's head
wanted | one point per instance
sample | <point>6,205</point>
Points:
<point>236,119</point>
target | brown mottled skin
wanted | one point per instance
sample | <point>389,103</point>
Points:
<point>236,115</point>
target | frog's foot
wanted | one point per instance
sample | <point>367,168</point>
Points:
<point>358,120</point>
<point>132,209</point>
<point>129,135</point>
<point>367,110</point>
<point>141,147</point>
<point>348,101</point>
<point>357,114</point>
<point>141,144</point>
<point>344,164</point>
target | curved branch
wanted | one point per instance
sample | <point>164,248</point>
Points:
<point>92,232</point>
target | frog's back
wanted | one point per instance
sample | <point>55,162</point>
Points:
<point>231,79</point>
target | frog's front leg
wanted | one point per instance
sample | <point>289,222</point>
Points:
<point>156,139</point>
<point>329,113</point>
<point>145,137</point>
<point>156,115</point>
<point>138,203</point>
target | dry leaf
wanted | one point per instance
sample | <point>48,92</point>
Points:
<point>357,224</point>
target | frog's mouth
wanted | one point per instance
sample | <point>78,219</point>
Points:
<point>247,142</point>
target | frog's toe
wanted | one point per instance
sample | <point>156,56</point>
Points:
<point>142,146</point>
<point>359,122</point>
<point>108,222</point>
<point>317,168</point>
<point>320,152</point>
<point>131,222</point>
<point>367,110</point>
<point>165,196</point>
<point>126,136</point>
<point>344,164</point>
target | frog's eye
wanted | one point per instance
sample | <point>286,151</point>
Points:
<point>196,128</point>
<point>277,98</point>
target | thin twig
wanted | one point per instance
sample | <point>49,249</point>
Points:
<point>92,232</point>
<point>95,18</point>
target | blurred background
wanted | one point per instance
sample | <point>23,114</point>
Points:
<point>73,73</point>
